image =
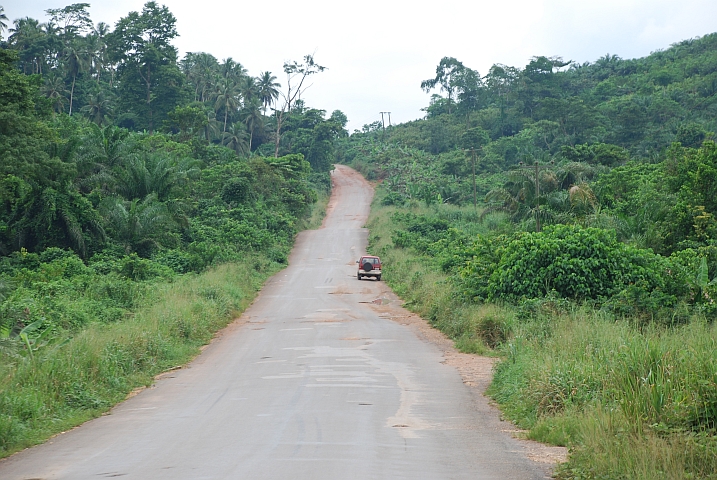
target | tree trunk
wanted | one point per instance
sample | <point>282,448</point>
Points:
<point>149,98</point>
<point>72,92</point>
<point>278,135</point>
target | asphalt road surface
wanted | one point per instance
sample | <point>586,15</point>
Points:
<point>311,383</point>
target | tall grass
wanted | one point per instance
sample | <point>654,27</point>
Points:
<point>631,400</point>
<point>69,382</point>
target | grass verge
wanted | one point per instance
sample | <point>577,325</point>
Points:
<point>68,382</point>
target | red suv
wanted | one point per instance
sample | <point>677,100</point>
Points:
<point>369,266</point>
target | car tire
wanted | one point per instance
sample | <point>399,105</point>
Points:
<point>358,276</point>
<point>378,278</point>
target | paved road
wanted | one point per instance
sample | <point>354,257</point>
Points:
<point>309,384</point>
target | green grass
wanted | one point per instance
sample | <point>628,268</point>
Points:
<point>67,383</point>
<point>318,212</point>
<point>630,400</point>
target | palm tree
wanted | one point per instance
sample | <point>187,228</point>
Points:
<point>232,69</point>
<point>3,21</point>
<point>201,70</point>
<point>212,130</point>
<point>97,50</point>
<point>63,211</point>
<point>236,139</point>
<point>227,97</point>
<point>76,61</point>
<point>100,151</point>
<point>29,39</point>
<point>249,89</point>
<point>109,146</point>
<point>153,174</point>
<point>136,224</point>
<point>517,197</point>
<point>268,89</point>
<point>252,118</point>
<point>99,109</point>
<point>54,88</point>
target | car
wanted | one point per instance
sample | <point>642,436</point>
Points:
<point>369,266</point>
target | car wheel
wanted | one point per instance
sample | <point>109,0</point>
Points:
<point>378,278</point>
<point>358,276</point>
<point>367,267</point>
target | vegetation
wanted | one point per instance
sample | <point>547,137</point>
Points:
<point>143,201</point>
<point>560,216</point>
<point>589,262</point>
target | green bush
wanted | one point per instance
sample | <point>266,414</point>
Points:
<point>138,269</point>
<point>575,262</point>
<point>178,260</point>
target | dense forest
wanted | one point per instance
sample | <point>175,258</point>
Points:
<point>562,217</point>
<point>126,171</point>
<point>113,147</point>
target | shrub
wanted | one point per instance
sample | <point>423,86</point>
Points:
<point>178,261</point>
<point>137,269</point>
<point>575,262</point>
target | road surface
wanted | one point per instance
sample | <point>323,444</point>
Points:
<point>312,382</point>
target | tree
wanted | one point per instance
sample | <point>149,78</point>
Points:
<point>97,51</point>
<point>469,86</point>
<point>139,224</point>
<point>297,73</point>
<point>72,20</point>
<point>447,72</point>
<point>475,138</point>
<point>201,70</point>
<point>56,216</point>
<point>187,121</point>
<point>76,60</point>
<point>501,82</point>
<point>249,89</point>
<point>140,44</point>
<point>101,151</point>
<point>252,118</point>
<point>268,89</point>
<point>226,97</point>
<point>153,173</point>
<point>53,88</point>
<point>28,38</point>
<point>236,139</point>
<point>99,109</point>
<point>3,21</point>
<point>341,120</point>
<point>231,69</point>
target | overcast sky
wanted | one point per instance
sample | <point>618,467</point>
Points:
<point>378,51</point>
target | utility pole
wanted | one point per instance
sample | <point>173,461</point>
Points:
<point>384,123</point>
<point>389,118</point>
<point>538,168</point>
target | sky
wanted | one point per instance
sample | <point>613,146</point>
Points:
<point>377,52</point>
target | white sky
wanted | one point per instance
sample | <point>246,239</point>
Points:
<point>378,51</point>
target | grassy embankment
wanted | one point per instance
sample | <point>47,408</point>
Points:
<point>630,400</point>
<point>80,374</point>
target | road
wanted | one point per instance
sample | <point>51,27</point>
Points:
<point>312,382</point>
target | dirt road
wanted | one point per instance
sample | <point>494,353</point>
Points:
<point>324,377</point>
